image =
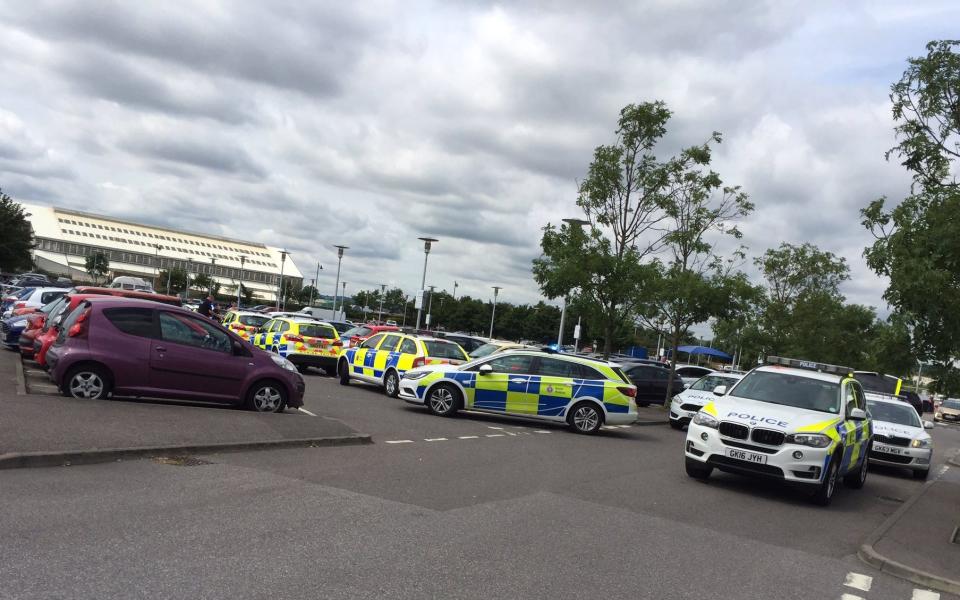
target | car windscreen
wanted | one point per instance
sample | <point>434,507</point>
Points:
<point>484,350</point>
<point>318,331</point>
<point>358,332</point>
<point>790,390</point>
<point>439,349</point>
<point>708,383</point>
<point>54,306</point>
<point>951,403</point>
<point>342,328</point>
<point>901,414</point>
<point>252,320</point>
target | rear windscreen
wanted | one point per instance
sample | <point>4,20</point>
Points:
<point>623,377</point>
<point>874,382</point>
<point>438,349</point>
<point>252,320</point>
<point>318,331</point>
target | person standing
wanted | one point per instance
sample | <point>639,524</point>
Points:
<point>206,308</point>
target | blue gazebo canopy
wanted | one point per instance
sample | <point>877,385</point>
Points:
<point>704,350</point>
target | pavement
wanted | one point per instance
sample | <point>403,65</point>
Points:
<point>44,430</point>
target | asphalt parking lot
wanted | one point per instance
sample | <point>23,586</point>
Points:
<point>470,507</point>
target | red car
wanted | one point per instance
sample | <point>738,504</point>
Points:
<point>359,334</point>
<point>43,338</point>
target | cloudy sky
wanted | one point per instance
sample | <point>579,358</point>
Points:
<point>308,124</point>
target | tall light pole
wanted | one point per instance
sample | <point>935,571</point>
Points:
<point>314,287</point>
<point>427,242</point>
<point>336,285</point>
<point>430,306</point>
<point>343,299</point>
<point>156,268</point>
<point>283,259</point>
<point>579,223</point>
<point>496,291</point>
<point>243,260</point>
<point>455,285</point>
<point>213,269</point>
<point>189,268</point>
<point>406,301</point>
<point>383,289</point>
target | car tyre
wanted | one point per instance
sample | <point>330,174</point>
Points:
<point>87,382</point>
<point>391,384</point>
<point>921,474</point>
<point>828,487</point>
<point>267,396</point>
<point>697,469</point>
<point>444,400</point>
<point>585,418</point>
<point>856,479</point>
<point>344,372</point>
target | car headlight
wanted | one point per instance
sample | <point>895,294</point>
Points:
<point>921,443</point>
<point>814,440</point>
<point>283,363</point>
<point>706,420</point>
<point>415,374</point>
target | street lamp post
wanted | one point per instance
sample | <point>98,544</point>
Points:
<point>455,285</point>
<point>243,260</point>
<point>493,314</point>
<point>430,306</point>
<point>283,259</point>
<point>213,272</point>
<point>314,287</point>
<point>156,267</point>
<point>406,301</point>
<point>336,285</point>
<point>343,299</point>
<point>186,292</point>
<point>427,242</point>
<point>383,289</point>
<point>563,311</point>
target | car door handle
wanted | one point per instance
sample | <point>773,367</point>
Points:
<point>160,349</point>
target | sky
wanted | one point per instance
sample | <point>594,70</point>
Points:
<point>308,124</point>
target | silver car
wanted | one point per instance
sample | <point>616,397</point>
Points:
<point>900,438</point>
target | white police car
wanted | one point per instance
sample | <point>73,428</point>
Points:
<point>688,403</point>
<point>899,436</point>
<point>795,421</point>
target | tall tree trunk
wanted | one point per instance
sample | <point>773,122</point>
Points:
<point>673,364</point>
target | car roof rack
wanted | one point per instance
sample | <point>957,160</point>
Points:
<point>809,365</point>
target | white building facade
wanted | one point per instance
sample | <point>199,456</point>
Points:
<point>64,238</point>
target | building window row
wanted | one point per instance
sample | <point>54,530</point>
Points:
<point>157,236</point>
<point>155,262</point>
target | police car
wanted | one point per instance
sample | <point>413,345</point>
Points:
<point>244,323</point>
<point>688,403</point>
<point>383,358</point>
<point>582,392</point>
<point>302,340</point>
<point>796,421</point>
<point>899,436</point>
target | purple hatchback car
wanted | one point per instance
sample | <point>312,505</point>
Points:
<point>140,348</point>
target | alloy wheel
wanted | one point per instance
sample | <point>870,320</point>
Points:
<point>441,400</point>
<point>267,399</point>
<point>586,418</point>
<point>86,385</point>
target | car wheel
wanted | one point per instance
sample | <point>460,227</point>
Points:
<point>87,383</point>
<point>344,371</point>
<point>267,396</point>
<point>676,424</point>
<point>824,494</point>
<point>697,469</point>
<point>391,384</point>
<point>585,418</point>
<point>444,400</point>
<point>921,474</point>
<point>856,479</point>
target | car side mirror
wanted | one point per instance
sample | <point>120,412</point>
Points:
<point>928,424</point>
<point>858,414</point>
<point>720,390</point>
<point>485,369</point>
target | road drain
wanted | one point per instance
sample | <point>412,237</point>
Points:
<point>181,461</point>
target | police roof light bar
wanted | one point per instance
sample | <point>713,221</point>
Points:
<point>809,365</point>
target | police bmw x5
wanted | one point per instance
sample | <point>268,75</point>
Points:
<point>796,421</point>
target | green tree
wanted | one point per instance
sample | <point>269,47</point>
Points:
<point>172,281</point>
<point>246,294</point>
<point>202,283</point>
<point>97,266</point>
<point>16,236</point>
<point>306,294</point>
<point>622,198</point>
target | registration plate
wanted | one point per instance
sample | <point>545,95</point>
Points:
<point>753,457</point>
<point>890,449</point>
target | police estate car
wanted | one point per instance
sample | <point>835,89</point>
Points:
<point>796,421</point>
<point>582,392</point>
<point>687,403</point>
<point>899,437</point>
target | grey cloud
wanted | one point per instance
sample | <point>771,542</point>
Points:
<point>204,154</point>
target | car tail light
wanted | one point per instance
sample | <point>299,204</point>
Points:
<point>81,325</point>
<point>295,338</point>
<point>419,361</point>
<point>336,343</point>
<point>628,391</point>
<point>19,305</point>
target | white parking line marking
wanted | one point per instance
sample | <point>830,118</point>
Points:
<point>858,581</point>
<point>399,442</point>
<point>468,437</point>
<point>303,410</point>
<point>924,595</point>
<point>495,435</point>
<point>540,431</point>
<point>434,439</point>
<point>492,427</point>
<point>851,597</point>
